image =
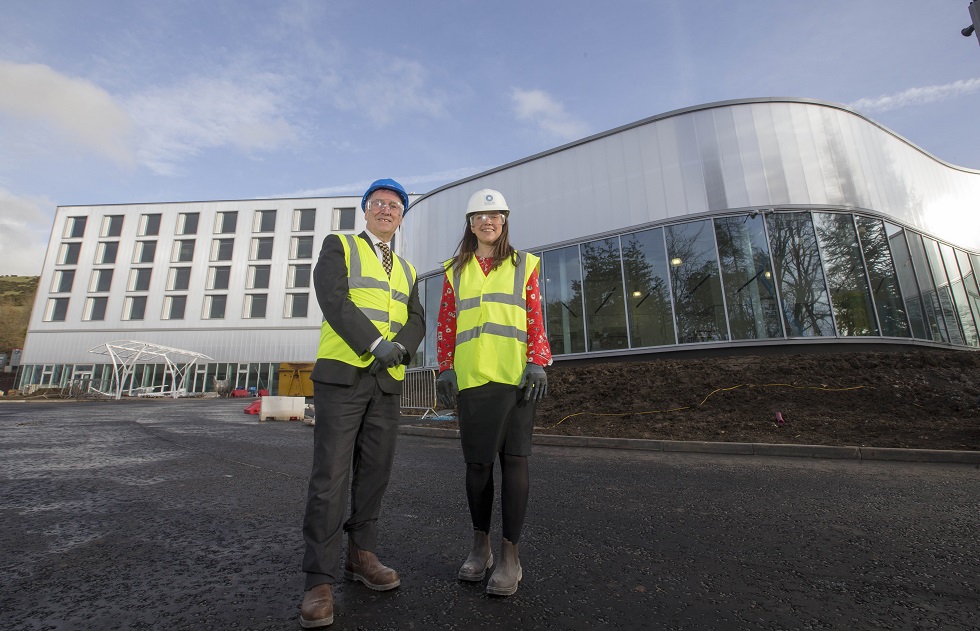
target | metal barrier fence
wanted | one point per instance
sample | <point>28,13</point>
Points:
<point>419,392</point>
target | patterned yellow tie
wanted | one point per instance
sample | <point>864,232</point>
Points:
<point>385,257</point>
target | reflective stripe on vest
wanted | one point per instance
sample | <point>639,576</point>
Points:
<point>491,321</point>
<point>384,301</point>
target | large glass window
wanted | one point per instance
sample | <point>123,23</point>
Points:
<point>298,276</point>
<point>431,297</point>
<point>884,281</point>
<point>563,300</point>
<point>261,248</point>
<point>844,266</point>
<point>943,290</point>
<point>698,300</point>
<point>969,272</point>
<point>258,276</point>
<point>304,219</point>
<point>799,276</point>
<point>605,315</point>
<point>924,279</point>
<point>264,221</point>
<point>750,290</point>
<point>218,277</point>
<point>648,306</point>
<point>187,223</point>
<point>961,301</point>
<point>906,278</point>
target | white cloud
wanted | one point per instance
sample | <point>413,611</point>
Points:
<point>539,107</point>
<point>25,226</point>
<point>180,121</point>
<point>390,88</point>
<point>412,183</point>
<point>917,96</point>
<point>86,112</point>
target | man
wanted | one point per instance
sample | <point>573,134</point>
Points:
<point>373,323</point>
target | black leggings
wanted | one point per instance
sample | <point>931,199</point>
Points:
<point>513,494</point>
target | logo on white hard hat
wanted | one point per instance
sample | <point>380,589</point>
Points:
<point>488,198</point>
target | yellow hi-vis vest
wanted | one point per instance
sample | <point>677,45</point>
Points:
<point>383,300</point>
<point>491,321</point>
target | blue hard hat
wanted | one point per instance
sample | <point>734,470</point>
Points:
<point>388,184</point>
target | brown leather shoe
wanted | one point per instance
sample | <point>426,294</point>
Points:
<point>317,609</point>
<point>364,566</point>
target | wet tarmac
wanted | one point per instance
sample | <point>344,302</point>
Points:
<point>187,515</point>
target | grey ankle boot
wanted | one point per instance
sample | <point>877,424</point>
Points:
<point>508,574</point>
<point>480,559</point>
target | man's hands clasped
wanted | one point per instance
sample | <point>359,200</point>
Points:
<point>387,354</point>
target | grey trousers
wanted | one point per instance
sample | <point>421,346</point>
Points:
<point>353,447</point>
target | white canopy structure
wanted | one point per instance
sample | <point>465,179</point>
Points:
<point>125,354</point>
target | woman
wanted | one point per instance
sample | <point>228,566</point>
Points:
<point>492,347</point>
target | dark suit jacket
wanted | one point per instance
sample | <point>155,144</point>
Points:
<point>330,283</point>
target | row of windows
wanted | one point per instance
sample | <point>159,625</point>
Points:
<point>260,376</point>
<point>225,222</point>
<point>179,278</point>
<point>762,275</point>
<point>260,248</point>
<point>174,306</point>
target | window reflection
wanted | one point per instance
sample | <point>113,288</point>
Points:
<point>431,298</point>
<point>849,293</point>
<point>884,281</point>
<point>943,290</point>
<point>563,300</point>
<point>930,301</point>
<point>605,314</point>
<point>906,278</point>
<point>960,300</point>
<point>799,276</point>
<point>750,290</point>
<point>970,285</point>
<point>651,320</point>
<point>695,282</point>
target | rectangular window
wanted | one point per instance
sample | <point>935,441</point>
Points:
<point>297,305</point>
<point>648,305</point>
<point>563,296</point>
<point>187,223</point>
<point>214,307</point>
<point>261,249</point>
<point>106,252</point>
<point>139,279</point>
<point>111,226</point>
<point>304,219</point>
<point>75,227</point>
<point>343,219</point>
<point>144,251</point>
<point>884,281</point>
<point>149,225</point>
<point>95,308</point>
<point>68,253</point>
<point>134,308</point>
<point>221,249</point>
<point>101,280</point>
<point>179,279</point>
<point>698,303</point>
<point>605,312</point>
<point>264,221</point>
<point>258,277</point>
<point>301,247</point>
<point>183,251</point>
<point>799,275</point>
<point>63,280</point>
<point>753,309</point>
<point>226,222</point>
<point>298,276</point>
<point>56,309</point>
<point>255,305</point>
<point>173,307</point>
<point>218,277</point>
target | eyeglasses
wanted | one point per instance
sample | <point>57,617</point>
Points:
<point>381,204</point>
<point>485,217</point>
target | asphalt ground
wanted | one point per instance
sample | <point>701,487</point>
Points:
<point>187,514</point>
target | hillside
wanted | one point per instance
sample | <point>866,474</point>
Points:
<point>16,301</point>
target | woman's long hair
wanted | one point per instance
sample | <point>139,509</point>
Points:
<point>502,249</point>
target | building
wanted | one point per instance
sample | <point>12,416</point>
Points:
<point>757,222</point>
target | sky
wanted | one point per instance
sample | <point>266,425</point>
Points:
<point>105,102</point>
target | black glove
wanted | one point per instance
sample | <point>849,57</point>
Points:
<point>376,366</point>
<point>389,354</point>
<point>535,383</point>
<point>447,388</point>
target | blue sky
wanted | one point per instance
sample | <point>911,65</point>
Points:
<point>179,100</point>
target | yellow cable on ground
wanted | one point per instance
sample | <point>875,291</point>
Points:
<point>687,407</point>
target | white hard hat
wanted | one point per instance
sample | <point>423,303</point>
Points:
<point>487,200</point>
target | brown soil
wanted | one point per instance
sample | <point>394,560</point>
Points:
<point>923,399</point>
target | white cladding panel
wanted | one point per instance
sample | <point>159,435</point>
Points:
<point>706,160</point>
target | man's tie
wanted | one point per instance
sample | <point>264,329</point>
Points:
<point>385,257</point>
